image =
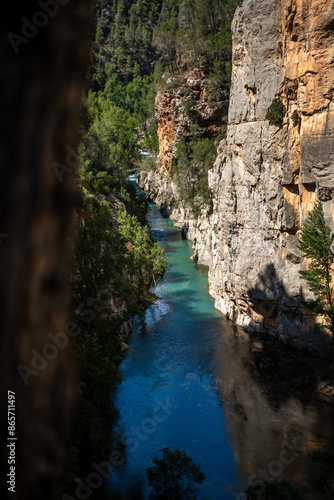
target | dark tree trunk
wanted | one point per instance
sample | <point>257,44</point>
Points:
<point>41,82</point>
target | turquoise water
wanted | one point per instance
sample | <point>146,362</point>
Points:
<point>234,403</point>
<point>171,360</point>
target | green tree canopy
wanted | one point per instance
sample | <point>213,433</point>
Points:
<point>108,143</point>
<point>315,243</point>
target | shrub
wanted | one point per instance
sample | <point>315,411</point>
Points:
<point>173,84</point>
<point>275,113</point>
<point>188,105</point>
<point>100,187</point>
<point>194,159</point>
<point>210,209</point>
<point>295,118</point>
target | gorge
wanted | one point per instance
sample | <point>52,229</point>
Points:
<point>231,103</point>
<point>110,354</point>
<point>245,407</point>
<point>266,177</point>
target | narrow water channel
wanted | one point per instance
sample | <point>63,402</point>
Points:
<point>243,407</point>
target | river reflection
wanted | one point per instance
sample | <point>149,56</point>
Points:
<point>243,407</point>
<point>279,411</point>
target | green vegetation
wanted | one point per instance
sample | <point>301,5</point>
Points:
<point>315,243</point>
<point>138,46</point>
<point>204,37</point>
<point>174,476</point>
<point>116,261</point>
<point>123,42</point>
<point>145,259</point>
<point>139,40</point>
<point>194,159</point>
<point>125,68</point>
<point>196,33</point>
<point>95,279</point>
<point>273,490</point>
<point>108,150</point>
<point>275,113</point>
<point>295,118</point>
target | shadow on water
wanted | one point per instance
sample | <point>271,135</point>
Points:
<point>136,492</point>
<point>244,406</point>
<point>279,411</point>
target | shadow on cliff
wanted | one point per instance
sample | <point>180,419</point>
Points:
<point>286,317</point>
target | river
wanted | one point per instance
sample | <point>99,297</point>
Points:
<point>242,406</point>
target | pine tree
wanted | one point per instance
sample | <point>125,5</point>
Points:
<point>315,243</point>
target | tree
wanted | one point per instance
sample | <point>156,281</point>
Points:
<point>315,243</point>
<point>145,259</point>
<point>175,475</point>
<point>191,172</point>
<point>164,41</point>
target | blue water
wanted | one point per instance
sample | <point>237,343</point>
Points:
<point>171,360</point>
<point>233,402</point>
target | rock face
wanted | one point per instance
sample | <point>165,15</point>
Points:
<point>187,109</point>
<point>266,178</point>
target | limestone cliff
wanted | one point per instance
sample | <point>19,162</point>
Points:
<point>266,178</point>
<point>187,109</point>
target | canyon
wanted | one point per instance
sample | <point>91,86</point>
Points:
<point>265,178</point>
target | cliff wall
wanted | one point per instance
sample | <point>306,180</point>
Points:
<point>265,178</point>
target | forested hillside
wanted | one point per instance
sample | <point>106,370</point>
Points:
<point>143,46</point>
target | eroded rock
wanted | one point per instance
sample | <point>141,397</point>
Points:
<point>266,178</point>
